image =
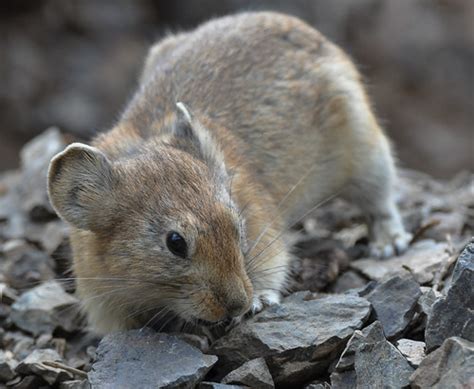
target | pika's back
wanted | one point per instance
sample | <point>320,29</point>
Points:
<point>275,84</point>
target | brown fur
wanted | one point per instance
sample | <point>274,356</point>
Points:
<point>278,121</point>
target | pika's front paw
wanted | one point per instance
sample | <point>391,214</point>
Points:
<point>395,244</point>
<point>264,298</point>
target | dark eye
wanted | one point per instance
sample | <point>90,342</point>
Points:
<point>176,244</point>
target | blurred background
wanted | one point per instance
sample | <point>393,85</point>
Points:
<point>75,64</point>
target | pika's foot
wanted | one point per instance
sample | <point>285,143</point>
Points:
<point>395,244</point>
<point>264,298</point>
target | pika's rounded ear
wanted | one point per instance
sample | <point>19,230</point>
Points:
<point>189,127</point>
<point>80,187</point>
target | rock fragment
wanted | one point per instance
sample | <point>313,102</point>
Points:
<point>453,315</point>
<point>344,380</point>
<point>35,157</point>
<point>216,385</point>
<point>450,366</point>
<point>394,303</point>
<point>381,365</point>
<point>253,373</point>
<point>297,338</point>
<point>75,384</point>
<point>28,267</point>
<point>412,350</point>
<point>423,261</point>
<point>7,366</point>
<point>369,335</point>
<point>45,308</point>
<point>348,280</point>
<point>122,359</point>
<point>37,363</point>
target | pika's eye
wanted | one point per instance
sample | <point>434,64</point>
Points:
<point>176,244</point>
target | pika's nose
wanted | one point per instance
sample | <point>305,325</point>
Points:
<point>236,308</point>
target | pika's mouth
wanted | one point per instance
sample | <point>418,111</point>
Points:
<point>206,323</point>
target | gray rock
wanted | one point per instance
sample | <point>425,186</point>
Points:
<point>215,385</point>
<point>394,303</point>
<point>28,268</point>
<point>35,157</point>
<point>253,373</point>
<point>381,365</point>
<point>427,299</point>
<point>318,385</point>
<point>36,363</point>
<point>412,350</point>
<point>7,366</point>
<point>450,366</point>
<point>75,384</point>
<point>45,308</point>
<point>27,382</point>
<point>348,280</point>
<point>423,261</point>
<point>464,261</point>
<point>297,339</point>
<point>7,294</point>
<point>344,380</point>
<point>369,335</point>
<point>122,359</point>
<point>453,315</point>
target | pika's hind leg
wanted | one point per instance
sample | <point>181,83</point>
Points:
<point>372,188</point>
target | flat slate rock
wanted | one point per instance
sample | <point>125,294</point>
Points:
<point>381,365</point>
<point>423,259</point>
<point>297,338</point>
<point>370,334</point>
<point>145,359</point>
<point>45,308</point>
<point>412,350</point>
<point>253,373</point>
<point>464,261</point>
<point>450,366</point>
<point>394,302</point>
<point>452,315</point>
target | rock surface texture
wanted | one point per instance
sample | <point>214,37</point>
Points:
<point>347,321</point>
<point>144,359</point>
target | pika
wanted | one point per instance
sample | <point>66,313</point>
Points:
<point>237,130</point>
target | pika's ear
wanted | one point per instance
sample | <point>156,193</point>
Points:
<point>189,127</point>
<point>80,186</point>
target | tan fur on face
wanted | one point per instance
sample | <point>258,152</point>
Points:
<point>276,121</point>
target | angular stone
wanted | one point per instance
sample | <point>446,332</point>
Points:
<point>464,261</point>
<point>318,385</point>
<point>381,365</point>
<point>412,350</point>
<point>427,299</point>
<point>423,259</point>
<point>28,267</point>
<point>215,385</point>
<point>450,366</point>
<point>36,363</point>
<point>369,335</point>
<point>7,366</point>
<point>253,373</point>
<point>348,280</point>
<point>45,308</point>
<point>75,384</point>
<point>27,382</point>
<point>142,359</point>
<point>453,315</point>
<point>344,380</point>
<point>35,157</point>
<point>297,339</point>
<point>394,303</point>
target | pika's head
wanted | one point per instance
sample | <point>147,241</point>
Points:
<point>162,219</point>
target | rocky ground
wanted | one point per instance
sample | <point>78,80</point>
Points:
<point>348,321</point>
